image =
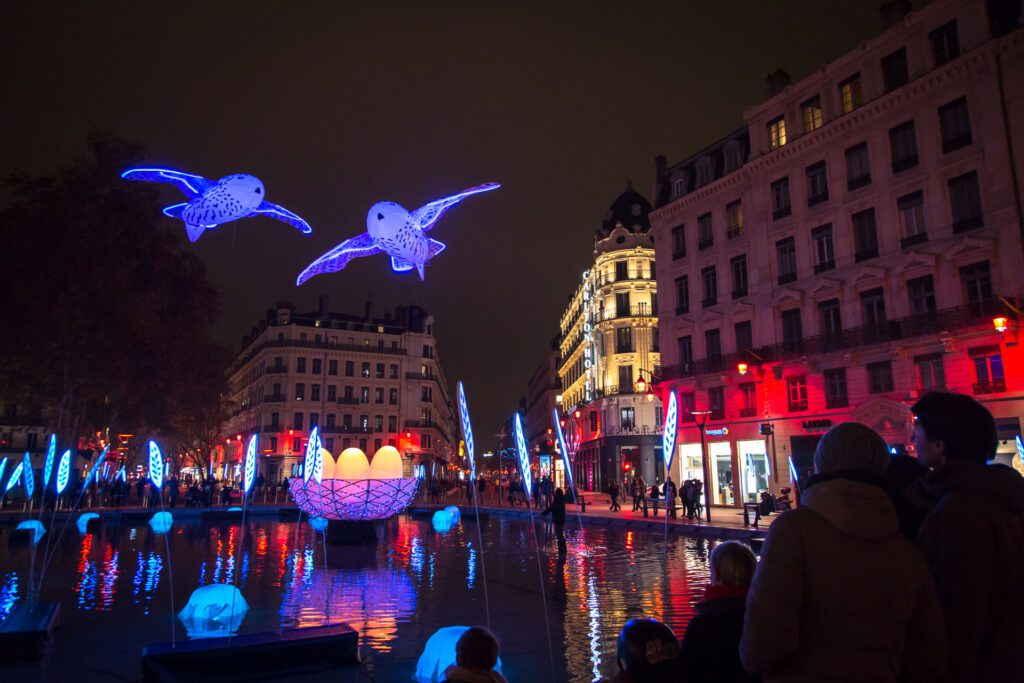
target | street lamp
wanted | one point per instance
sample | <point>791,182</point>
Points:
<point>701,417</point>
<point>646,387</point>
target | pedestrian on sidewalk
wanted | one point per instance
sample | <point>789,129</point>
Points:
<point>709,651</point>
<point>972,537</point>
<point>557,510</point>
<point>670,498</point>
<point>655,494</point>
<point>634,494</point>
<point>822,606</point>
<point>613,491</point>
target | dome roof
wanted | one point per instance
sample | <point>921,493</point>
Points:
<point>630,210</point>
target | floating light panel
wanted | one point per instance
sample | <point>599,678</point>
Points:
<point>63,471</point>
<point>156,466</point>
<point>467,430</point>
<point>524,457</point>
<point>561,444</point>
<point>668,438</point>
<point>250,464</point>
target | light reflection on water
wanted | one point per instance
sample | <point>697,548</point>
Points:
<point>396,595</point>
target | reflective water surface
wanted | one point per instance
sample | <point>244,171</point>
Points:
<point>114,586</point>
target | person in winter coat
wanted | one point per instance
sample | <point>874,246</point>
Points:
<point>476,655</point>
<point>655,493</point>
<point>557,510</point>
<point>613,492</point>
<point>972,538</point>
<point>709,651</point>
<point>839,593</point>
<point>900,473</point>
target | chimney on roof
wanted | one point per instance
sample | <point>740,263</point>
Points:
<point>776,81</point>
<point>368,314</point>
<point>324,303</point>
<point>891,12</point>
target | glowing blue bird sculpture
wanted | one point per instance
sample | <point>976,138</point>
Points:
<point>213,203</point>
<point>392,230</point>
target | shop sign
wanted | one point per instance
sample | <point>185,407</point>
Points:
<point>717,431</point>
<point>820,424</point>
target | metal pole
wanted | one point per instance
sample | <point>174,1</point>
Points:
<point>702,420</point>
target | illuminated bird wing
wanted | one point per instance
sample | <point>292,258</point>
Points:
<point>427,215</point>
<point>338,258</point>
<point>282,214</point>
<point>191,185</point>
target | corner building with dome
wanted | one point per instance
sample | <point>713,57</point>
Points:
<point>609,353</point>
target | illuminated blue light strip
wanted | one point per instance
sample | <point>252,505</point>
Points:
<point>15,477</point>
<point>156,466</point>
<point>313,465</point>
<point>29,475</point>
<point>668,439</point>
<point>171,208</point>
<point>3,466</point>
<point>48,467</point>
<point>561,445</point>
<point>524,457</point>
<point>250,464</point>
<point>63,470</point>
<point>467,430</point>
<point>96,467</point>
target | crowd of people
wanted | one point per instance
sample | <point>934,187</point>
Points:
<point>890,569</point>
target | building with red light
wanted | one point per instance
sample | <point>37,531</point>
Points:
<point>609,351</point>
<point>851,245</point>
<point>365,382</point>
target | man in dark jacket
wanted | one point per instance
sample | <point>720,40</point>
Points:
<point>557,510</point>
<point>972,538</point>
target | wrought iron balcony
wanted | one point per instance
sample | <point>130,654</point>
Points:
<point>931,323</point>
<point>995,386</point>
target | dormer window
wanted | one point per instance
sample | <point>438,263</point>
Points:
<point>705,171</point>
<point>777,132</point>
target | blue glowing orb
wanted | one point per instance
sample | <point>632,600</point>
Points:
<point>161,522</point>
<point>442,521</point>
<point>439,654</point>
<point>392,230</point>
<point>455,513</point>
<point>211,204</point>
<point>213,611</point>
<point>318,523</point>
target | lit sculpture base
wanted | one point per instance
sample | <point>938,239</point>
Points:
<point>352,499</point>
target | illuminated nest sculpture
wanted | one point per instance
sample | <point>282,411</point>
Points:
<point>354,489</point>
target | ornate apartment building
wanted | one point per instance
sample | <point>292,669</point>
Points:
<point>365,382</point>
<point>609,352</point>
<point>855,243</point>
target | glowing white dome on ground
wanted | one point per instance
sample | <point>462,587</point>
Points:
<point>351,488</point>
<point>352,464</point>
<point>387,464</point>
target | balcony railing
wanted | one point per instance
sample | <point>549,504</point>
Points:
<point>638,311</point>
<point>733,233</point>
<point>346,429</point>
<point>824,265</point>
<point>865,254</point>
<point>995,386</point>
<point>748,412</point>
<point>349,401</point>
<point>911,240</point>
<point>855,183</point>
<point>817,198</point>
<point>419,375</point>
<point>930,323</point>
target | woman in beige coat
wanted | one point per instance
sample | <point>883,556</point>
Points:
<point>839,593</point>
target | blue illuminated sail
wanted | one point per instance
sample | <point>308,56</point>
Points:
<point>668,439</point>
<point>156,466</point>
<point>28,475</point>
<point>250,464</point>
<point>467,430</point>
<point>524,457</point>
<point>63,471</point>
<point>562,446</point>
<point>48,466</point>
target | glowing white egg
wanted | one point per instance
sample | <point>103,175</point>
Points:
<point>387,464</point>
<point>352,464</point>
<point>329,466</point>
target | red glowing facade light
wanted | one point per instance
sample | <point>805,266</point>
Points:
<point>576,414</point>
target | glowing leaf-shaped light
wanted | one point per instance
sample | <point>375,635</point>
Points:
<point>96,467</point>
<point>48,466</point>
<point>668,438</point>
<point>15,477</point>
<point>313,465</point>
<point>156,466</point>
<point>3,466</point>
<point>565,450</point>
<point>63,471</point>
<point>524,457</point>
<point>28,475</point>
<point>1020,447</point>
<point>250,464</point>
<point>467,430</point>
<point>121,474</point>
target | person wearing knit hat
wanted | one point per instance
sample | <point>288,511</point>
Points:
<point>840,593</point>
<point>851,446</point>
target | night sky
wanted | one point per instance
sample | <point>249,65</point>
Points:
<point>338,105</point>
